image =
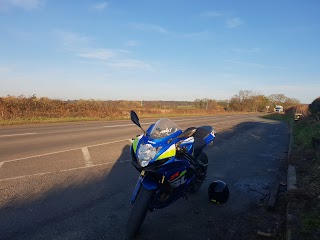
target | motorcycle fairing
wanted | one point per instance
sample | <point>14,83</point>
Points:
<point>165,150</point>
<point>170,152</point>
<point>168,170</point>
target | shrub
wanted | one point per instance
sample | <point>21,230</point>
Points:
<point>314,108</point>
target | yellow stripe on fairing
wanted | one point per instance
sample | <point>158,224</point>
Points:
<point>135,143</point>
<point>170,152</point>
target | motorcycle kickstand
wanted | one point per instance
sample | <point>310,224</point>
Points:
<point>191,203</point>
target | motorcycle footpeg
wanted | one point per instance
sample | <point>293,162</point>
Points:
<point>200,180</point>
<point>199,163</point>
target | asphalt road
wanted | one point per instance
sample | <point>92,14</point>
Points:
<point>74,181</point>
<point>25,142</point>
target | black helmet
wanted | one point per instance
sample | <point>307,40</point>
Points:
<point>218,192</point>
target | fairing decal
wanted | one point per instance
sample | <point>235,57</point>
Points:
<point>170,152</point>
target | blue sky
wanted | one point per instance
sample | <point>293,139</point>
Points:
<point>159,50</point>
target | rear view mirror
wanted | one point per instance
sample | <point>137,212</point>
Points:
<point>135,119</point>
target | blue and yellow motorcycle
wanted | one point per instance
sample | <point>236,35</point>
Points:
<point>171,163</point>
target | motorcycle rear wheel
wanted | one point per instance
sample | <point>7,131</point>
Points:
<point>139,211</point>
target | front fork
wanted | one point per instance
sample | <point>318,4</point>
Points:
<point>145,180</point>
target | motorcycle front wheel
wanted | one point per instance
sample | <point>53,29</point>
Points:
<point>139,211</point>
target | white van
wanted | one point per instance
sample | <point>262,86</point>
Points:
<point>278,109</point>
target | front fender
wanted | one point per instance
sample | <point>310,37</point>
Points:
<point>148,183</point>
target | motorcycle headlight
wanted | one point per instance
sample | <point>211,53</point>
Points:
<point>146,152</point>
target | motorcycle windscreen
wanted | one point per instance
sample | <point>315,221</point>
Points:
<point>163,127</point>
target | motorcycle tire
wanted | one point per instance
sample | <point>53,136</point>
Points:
<point>195,187</point>
<point>139,211</point>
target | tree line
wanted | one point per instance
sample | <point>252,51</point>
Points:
<point>251,101</point>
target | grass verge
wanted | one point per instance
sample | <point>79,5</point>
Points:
<point>280,117</point>
<point>305,156</point>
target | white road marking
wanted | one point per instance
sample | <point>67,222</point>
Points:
<point>85,151</point>
<point>20,134</point>
<point>93,128</point>
<point>187,119</point>
<point>176,120</point>
<point>124,125</point>
<point>112,126</point>
<point>255,136</point>
<point>65,170</point>
<point>62,151</point>
<point>87,157</point>
<point>100,144</point>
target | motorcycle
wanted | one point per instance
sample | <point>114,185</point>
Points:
<point>171,163</point>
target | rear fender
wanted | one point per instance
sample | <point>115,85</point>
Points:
<point>209,139</point>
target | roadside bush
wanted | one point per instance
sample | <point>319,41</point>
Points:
<point>14,109</point>
<point>314,108</point>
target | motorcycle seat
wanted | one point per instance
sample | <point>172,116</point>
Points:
<point>199,142</point>
<point>202,132</point>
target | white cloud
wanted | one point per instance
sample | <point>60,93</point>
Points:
<point>200,34</point>
<point>226,75</point>
<point>131,43</point>
<point>146,27</point>
<point>234,22</point>
<point>99,53</point>
<point>71,38</point>
<point>212,14</point>
<point>25,4</point>
<point>130,63</point>
<point>247,50</point>
<point>257,65</point>
<point>81,46</point>
<point>100,6</point>
<point>230,20</point>
<point>4,69</point>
